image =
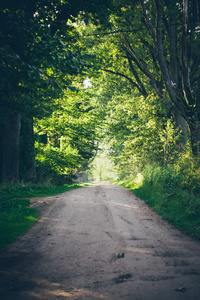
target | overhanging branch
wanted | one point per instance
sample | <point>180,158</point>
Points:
<point>125,76</point>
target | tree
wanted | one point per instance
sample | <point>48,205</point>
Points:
<point>155,48</point>
<point>177,80</point>
<point>37,62</point>
<point>181,84</point>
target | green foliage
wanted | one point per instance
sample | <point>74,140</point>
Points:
<point>34,65</point>
<point>67,140</point>
<point>168,191</point>
<point>130,49</point>
<point>56,165</point>
<point>137,129</point>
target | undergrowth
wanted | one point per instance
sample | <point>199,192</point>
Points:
<point>15,214</point>
<point>172,192</point>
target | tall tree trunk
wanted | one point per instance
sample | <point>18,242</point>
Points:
<point>173,49</point>
<point>184,57</point>
<point>31,174</point>
<point>10,148</point>
<point>170,77</point>
<point>27,150</point>
<point>194,129</point>
<point>3,114</point>
<point>193,104</point>
<point>180,122</point>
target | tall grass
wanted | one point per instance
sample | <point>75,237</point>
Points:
<point>174,192</point>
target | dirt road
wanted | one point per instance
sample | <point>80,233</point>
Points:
<point>100,242</point>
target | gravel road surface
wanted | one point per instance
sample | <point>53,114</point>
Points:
<point>100,242</point>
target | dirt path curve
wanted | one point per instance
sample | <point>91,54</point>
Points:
<point>100,242</point>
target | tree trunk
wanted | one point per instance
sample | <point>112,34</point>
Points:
<point>27,164</point>
<point>181,124</point>
<point>184,57</point>
<point>194,129</point>
<point>31,174</point>
<point>173,50</point>
<point>10,148</point>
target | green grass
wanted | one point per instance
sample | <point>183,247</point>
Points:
<point>166,191</point>
<point>15,214</point>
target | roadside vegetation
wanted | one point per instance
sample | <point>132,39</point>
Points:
<point>15,214</point>
<point>173,192</point>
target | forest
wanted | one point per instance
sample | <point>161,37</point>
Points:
<point>113,78</point>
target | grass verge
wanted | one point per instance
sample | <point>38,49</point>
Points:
<point>15,214</point>
<point>167,193</point>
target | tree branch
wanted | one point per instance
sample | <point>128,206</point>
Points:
<point>122,75</point>
<point>134,72</point>
<point>145,70</point>
<point>148,21</point>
